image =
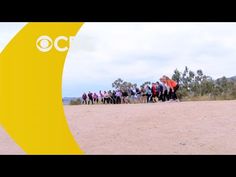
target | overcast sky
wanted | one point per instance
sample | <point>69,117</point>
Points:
<point>139,52</point>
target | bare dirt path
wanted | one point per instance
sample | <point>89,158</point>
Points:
<point>207,127</point>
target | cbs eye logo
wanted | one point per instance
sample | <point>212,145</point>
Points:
<point>45,43</point>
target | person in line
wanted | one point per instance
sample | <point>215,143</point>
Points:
<point>138,94</point>
<point>174,86</point>
<point>113,97</point>
<point>166,90</point>
<point>84,97</point>
<point>110,97</point>
<point>154,93</point>
<point>106,98</point>
<point>95,98</point>
<point>148,92</point>
<point>131,95</point>
<point>125,96</point>
<point>143,95</point>
<point>101,97</point>
<point>90,96</point>
<point>160,92</point>
<point>118,96</point>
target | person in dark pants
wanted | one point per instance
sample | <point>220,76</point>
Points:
<point>113,97</point>
<point>90,96</point>
<point>174,86</point>
<point>143,95</point>
<point>174,92</point>
<point>84,97</point>
<point>138,94</point>
<point>106,98</point>
<point>118,96</point>
<point>170,94</point>
<point>160,92</point>
<point>131,95</point>
<point>165,90</point>
<point>95,98</point>
<point>148,93</point>
<point>154,93</point>
<point>110,97</point>
<point>125,97</point>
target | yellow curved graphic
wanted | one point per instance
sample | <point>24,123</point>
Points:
<point>31,109</point>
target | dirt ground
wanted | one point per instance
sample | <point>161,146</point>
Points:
<point>207,127</point>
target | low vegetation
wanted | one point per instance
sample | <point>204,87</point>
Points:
<point>194,86</point>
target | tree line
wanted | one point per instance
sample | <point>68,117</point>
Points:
<point>194,86</point>
<point>198,86</point>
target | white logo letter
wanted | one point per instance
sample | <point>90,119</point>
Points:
<point>57,41</point>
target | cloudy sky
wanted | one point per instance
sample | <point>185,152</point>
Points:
<point>139,52</point>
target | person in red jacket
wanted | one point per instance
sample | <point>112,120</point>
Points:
<point>154,93</point>
<point>174,86</point>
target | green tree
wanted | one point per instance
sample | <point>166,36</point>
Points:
<point>122,85</point>
<point>75,102</point>
<point>177,75</point>
<point>117,83</point>
<point>145,83</point>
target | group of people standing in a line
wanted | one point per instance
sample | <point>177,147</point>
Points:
<point>165,90</point>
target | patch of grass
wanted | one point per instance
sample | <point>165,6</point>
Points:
<point>207,98</point>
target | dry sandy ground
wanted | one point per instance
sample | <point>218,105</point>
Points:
<point>161,128</point>
<point>7,145</point>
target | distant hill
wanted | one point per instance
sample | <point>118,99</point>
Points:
<point>232,78</point>
<point>67,100</point>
